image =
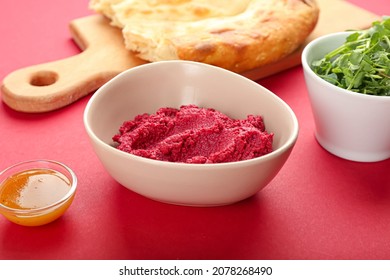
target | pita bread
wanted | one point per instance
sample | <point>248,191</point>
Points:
<point>238,35</point>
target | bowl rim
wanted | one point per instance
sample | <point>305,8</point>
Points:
<point>289,142</point>
<point>308,70</point>
<point>39,210</point>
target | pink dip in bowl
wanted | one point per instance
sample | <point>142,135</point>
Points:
<point>194,135</point>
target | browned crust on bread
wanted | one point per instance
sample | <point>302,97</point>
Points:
<point>275,35</point>
<point>264,32</point>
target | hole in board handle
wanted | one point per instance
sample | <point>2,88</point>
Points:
<point>44,78</point>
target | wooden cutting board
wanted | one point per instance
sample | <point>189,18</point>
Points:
<point>50,86</point>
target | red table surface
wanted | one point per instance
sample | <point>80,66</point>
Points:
<point>318,207</point>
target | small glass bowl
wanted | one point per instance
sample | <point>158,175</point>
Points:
<point>36,216</point>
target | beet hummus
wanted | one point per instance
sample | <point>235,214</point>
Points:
<point>194,135</point>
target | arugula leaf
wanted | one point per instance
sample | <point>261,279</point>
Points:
<point>362,63</point>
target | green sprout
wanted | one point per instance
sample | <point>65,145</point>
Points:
<point>362,63</point>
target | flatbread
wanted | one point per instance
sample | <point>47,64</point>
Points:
<point>238,35</point>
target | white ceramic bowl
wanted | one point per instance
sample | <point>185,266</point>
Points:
<point>145,89</point>
<point>350,125</point>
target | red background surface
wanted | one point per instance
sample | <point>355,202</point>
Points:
<point>318,207</point>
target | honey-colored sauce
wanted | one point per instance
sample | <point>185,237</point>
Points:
<point>33,189</point>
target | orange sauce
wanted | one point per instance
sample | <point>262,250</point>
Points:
<point>33,189</point>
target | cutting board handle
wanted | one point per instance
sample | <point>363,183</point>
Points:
<point>49,86</point>
<point>52,85</point>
